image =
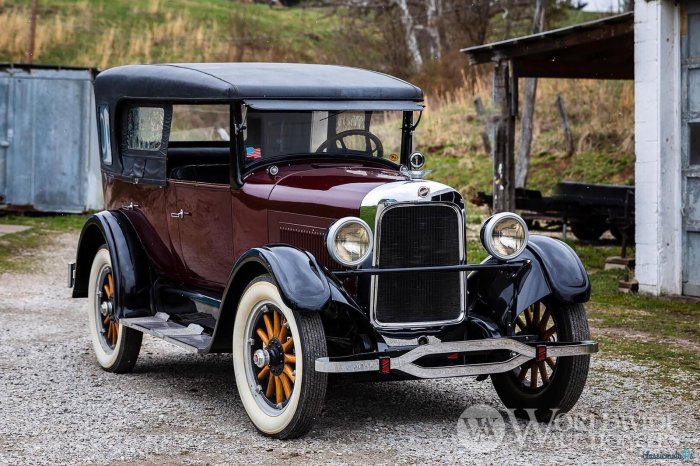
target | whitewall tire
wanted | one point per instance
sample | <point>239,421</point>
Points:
<point>116,347</point>
<point>274,350</point>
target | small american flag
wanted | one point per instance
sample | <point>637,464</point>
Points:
<point>253,152</point>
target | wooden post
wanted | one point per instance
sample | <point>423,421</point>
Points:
<point>32,34</point>
<point>565,125</point>
<point>487,133</point>
<point>504,143</point>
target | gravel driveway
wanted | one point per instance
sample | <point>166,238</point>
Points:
<point>57,406</point>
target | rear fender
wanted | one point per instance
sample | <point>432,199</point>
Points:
<point>129,264</point>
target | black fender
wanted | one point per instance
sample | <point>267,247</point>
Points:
<point>130,265</point>
<point>304,285</point>
<point>555,270</point>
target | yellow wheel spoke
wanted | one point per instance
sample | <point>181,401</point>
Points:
<point>106,320</point>
<point>268,327</point>
<point>279,395</point>
<point>264,372</point>
<point>283,331</point>
<point>519,322</point>
<point>548,334</point>
<point>286,385</point>
<point>290,358</point>
<point>550,363</point>
<point>288,371</point>
<point>528,318</point>
<point>545,319</point>
<point>111,285</point>
<point>533,377</point>
<point>276,323</point>
<point>288,345</point>
<point>543,372</point>
<point>523,373</point>
<point>270,386</point>
<point>115,333</point>
<point>263,336</point>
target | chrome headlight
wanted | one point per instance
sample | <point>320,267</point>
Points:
<point>504,235</point>
<point>349,241</point>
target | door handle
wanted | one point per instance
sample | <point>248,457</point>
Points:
<point>180,214</point>
<point>131,206</point>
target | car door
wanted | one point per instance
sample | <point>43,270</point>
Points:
<point>203,216</point>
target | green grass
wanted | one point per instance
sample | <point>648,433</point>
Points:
<point>15,248</point>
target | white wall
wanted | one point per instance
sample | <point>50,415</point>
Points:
<point>657,86</point>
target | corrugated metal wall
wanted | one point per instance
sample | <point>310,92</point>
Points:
<point>49,155</point>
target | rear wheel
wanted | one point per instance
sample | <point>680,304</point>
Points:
<point>274,353</point>
<point>116,347</point>
<point>554,385</point>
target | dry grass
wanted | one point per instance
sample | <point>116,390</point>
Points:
<point>601,115</point>
<point>14,24</point>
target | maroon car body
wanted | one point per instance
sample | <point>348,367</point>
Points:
<point>278,212</point>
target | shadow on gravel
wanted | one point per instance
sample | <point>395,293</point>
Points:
<point>209,380</point>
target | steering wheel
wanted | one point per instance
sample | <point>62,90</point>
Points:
<point>338,138</point>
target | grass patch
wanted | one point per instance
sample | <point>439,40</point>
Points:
<point>669,359</point>
<point>14,246</point>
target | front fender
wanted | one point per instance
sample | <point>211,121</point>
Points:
<point>302,282</point>
<point>129,264</point>
<point>555,271</point>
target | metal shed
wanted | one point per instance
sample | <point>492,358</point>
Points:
<point>49,158</point>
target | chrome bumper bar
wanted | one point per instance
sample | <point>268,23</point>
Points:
<point>520,353</point>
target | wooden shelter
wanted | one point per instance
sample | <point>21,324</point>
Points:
<point>601,49</point>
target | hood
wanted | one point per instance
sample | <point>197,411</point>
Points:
<point>328,190</point>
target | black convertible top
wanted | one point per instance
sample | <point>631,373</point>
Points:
<point>223,81</point>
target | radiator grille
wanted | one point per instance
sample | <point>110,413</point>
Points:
<point>412,236</point>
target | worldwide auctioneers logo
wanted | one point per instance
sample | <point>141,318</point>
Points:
<point>483,429</point>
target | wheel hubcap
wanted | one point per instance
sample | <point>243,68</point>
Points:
<point>537,374</point>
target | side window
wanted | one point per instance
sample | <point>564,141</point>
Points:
<point>144,128</point>
<point>200,123</point>
<point>105,143</point>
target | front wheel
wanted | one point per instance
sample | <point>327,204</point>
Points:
<point>554,385</point>
<point>274,353</point>
<point>116,347</point>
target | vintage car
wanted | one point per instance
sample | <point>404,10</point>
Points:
<point>278,212</point>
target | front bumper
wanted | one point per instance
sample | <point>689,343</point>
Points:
<point>520,353</point>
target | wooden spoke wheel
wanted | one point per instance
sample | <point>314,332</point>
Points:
<point>274,353</point>
<point>105,303</point>
<point>536,320</point>
<point>553,386</point>
<point>274,359</point>
<point>116,347</point>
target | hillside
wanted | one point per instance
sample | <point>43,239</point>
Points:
<point>105,33</point>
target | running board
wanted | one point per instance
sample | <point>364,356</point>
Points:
<point>190,337</point>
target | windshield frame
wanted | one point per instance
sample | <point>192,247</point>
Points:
<point>406,148</point>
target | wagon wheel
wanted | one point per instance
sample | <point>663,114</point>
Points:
<point>537,321</point>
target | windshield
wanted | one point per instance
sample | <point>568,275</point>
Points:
<point>271,134</point>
